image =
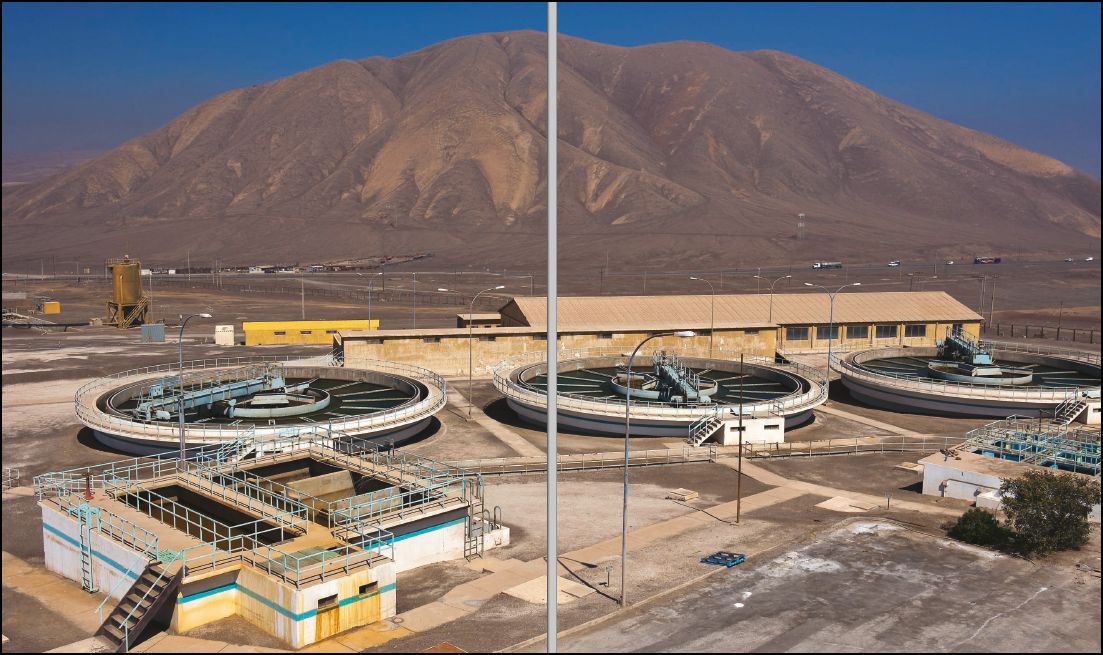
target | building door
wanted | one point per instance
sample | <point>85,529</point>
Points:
<point>328,620</point>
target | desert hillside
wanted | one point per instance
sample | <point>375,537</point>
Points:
<point>679,151</point>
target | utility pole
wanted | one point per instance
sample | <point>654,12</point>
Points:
<point>992,309</point>
<point>739,465</point>
<point>302,294</point>
<point>552,557</point>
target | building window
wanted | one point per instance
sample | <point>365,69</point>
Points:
<point>431,339</point>
<point>796,334</point>
<point>885,332</point>
<point>327,602</point>
<point>857,332</point>
<point>366,589</point>
<point>539,337</point>
<point>331,331</point>
<point>374,342</point>
<point>280,333</point>
<point>824,332</point>
<point>605,335</point>
<point>915,331</point>
<point>487,337</point>
<point>305,332</point>
<point>957,327</point>
<point>750,333</point>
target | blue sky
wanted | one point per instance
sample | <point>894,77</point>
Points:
<point>90,76</point>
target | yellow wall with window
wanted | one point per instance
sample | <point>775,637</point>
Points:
<point>855,336</point>
<point>269,333</point>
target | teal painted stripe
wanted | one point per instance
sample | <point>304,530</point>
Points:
<point>204,594</point>
<point>98,555</point>
<point>431,528</point>
<point>282,610</point>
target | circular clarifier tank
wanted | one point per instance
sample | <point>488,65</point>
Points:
<point>1006,379</point>
<point>669,391</point>
<point>139,411</point>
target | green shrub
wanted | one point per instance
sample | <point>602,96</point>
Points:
<point>1048,512</point>
<point>980,528</point>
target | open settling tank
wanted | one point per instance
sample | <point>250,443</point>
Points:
<point>226,399</point>
<point>968,378</point>
<point>685,394</point>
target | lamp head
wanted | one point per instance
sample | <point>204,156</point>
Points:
<point>442,289</point>
<point>205,316</point>
<point>685,333</point>
<point>809,284</point>
<point>500,286</point>
<point>856,284</point>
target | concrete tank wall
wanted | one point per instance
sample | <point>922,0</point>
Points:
<point>287,613</point>
<point>114,566</point>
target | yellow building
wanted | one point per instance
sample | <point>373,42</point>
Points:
<point>270,333</point>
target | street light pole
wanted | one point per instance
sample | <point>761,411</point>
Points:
<point>783,277</point>
<point>627,431</point>
<point>371,285</point>
<point>712,312</point>
<point>831,317</point>
<point>471,349</point>
<point>180,344</point>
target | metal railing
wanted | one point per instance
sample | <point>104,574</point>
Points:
<point>1063,353</point>
<point>297,569</point>
<point>591,461</point>
<point>844,446</point>
<point>239,490</point>
<point>111,525</point>
<point>711,453</point>
<point>11,477</point>
<point>200,526</point>
<point>1036,441</point>
<point>814,395</point>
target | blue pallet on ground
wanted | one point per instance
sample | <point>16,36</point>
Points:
<point>724,558</point>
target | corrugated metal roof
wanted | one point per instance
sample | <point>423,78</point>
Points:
<point>734,311</point>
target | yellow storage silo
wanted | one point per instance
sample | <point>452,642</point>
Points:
<point>129,305</point>
<point>126,281</point>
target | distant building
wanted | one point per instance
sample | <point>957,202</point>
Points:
<point>268,333</point>
<point>740,323</point>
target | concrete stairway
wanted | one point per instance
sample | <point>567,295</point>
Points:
<point>701,430</point>
<point>151,591</point>
<point>1068,411</point>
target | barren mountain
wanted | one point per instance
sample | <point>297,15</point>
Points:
<point>443,150</point>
